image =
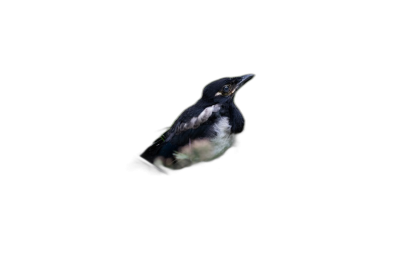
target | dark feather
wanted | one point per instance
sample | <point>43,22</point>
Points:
<point>200,121</point>
<point>236,119</point>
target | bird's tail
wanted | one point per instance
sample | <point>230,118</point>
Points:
<point>152,152</point>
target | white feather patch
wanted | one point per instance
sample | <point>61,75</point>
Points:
<point>204,150</point>
<point>216,108</point>
<point>223,138</point>
<point>203,117</point>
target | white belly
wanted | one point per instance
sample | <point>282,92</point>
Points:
<point>204,150</point>
<point>223,139</point>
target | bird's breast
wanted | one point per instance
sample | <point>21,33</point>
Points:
<point>222,139</point>
<point>198,150</point>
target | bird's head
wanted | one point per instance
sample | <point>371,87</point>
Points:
<point>223,90</point>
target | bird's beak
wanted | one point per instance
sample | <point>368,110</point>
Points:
<point>242,80</point>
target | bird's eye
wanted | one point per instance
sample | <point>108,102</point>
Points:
<point>225,89</point>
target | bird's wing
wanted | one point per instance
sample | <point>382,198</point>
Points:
<point>188,125</point>
<point>189,119</point>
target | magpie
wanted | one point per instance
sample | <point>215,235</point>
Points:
<point>205,130</point>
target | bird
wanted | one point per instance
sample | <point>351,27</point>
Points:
<point>203,131</point>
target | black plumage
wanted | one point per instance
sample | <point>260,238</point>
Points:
<point>204,130</point>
